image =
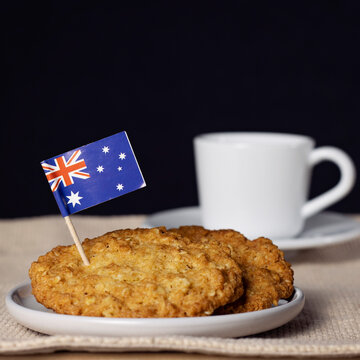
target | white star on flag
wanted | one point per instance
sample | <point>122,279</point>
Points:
<point>122,156</point>
<point>74,199</point>
<point>100,169</point>
<point>105,149</point>
<point>120,187</point>
<point>119,168</point>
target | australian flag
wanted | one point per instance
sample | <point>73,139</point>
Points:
<point>93,173</point>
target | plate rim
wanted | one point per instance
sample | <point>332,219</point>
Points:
<point>297,300</point>
<point>284,244</point>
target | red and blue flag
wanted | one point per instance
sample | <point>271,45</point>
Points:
<point>93,173</point>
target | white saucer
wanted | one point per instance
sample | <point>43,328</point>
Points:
<point>324,229</point>
<point>22,305</point>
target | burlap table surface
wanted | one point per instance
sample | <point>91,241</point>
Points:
<point>329,325</point>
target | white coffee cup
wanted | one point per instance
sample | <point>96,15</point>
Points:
<point>258,183</point>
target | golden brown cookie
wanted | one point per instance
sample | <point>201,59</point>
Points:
<point>267,277</point>
<point>137,273</point>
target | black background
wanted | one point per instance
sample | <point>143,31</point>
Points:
<point>77,71</point>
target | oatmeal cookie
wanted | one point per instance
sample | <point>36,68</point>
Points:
<point>137,273</point>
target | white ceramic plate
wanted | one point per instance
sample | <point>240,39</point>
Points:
<point>22,305</point>
<point>324,229</point>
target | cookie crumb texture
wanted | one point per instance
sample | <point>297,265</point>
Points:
<point>137,273</point>
<point>267,276</point>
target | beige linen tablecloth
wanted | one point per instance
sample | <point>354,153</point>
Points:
<point>329,325</point>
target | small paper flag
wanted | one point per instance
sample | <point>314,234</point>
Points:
<point>93,173</point>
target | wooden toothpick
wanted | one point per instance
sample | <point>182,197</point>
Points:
<point>76,240</point>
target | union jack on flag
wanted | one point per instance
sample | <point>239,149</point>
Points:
<point>93,173</point>
<point>64,171</point>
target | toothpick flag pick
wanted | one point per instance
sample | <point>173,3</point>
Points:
<point>92,174</point>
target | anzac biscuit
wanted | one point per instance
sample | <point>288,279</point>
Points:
<point>137,273</point>
<point>267,277</point>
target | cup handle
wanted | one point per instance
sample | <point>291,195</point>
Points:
<point>341,189</point>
